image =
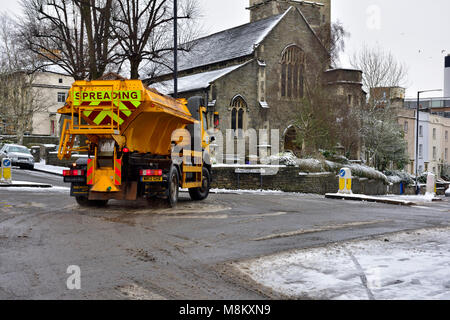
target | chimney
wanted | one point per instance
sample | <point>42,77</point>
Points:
<point>447,77</point>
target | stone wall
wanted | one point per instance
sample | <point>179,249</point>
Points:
<point>289,179</point>
<point>31,140</point>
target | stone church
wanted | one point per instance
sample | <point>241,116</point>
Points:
<point>251,75</point>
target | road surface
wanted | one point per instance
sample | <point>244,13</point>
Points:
<point>143,250</point>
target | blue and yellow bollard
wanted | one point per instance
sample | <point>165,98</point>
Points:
<point>345,181</point>
<point>6,170</point>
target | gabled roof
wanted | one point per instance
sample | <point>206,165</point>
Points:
<point>226,45</point>
<point>194,82</point>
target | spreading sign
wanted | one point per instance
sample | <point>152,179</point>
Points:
<point>98,96</point>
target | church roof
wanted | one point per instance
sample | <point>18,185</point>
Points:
<point>193,82</point>
<point>226,45</point>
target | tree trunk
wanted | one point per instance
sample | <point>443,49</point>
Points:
<point>134,68</point>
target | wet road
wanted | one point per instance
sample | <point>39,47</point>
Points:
<point>142,250</point>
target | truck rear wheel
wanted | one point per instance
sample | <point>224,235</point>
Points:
<point>85,202</point>
<point>198,194</point>
<point>173,187</point>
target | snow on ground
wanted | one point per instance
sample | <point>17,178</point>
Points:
<point>240,191</point>
<point>41,166</point>
<point>37,190</point>
<point>234,165</point>
<point>243,191</point>
<point>419,198</point>
<point>411,265</point>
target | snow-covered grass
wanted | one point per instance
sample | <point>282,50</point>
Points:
<point>409,265</point>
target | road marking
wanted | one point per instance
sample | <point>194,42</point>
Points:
<point>226,216</point>
<point>421,207</point>
<point>321,229</point>
<point>223,216</point>
<point>434,208</point>
<point>275,214</point>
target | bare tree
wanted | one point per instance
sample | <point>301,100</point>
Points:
<point>144,30</point>
<point>380,68</point>
<point>383,140</point>
<point>97,17</point>
<point>333,38</point>
<point>54,30</point>
<point>19,100</point>
<point>74,35</point>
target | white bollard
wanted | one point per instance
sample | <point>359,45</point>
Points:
<point>345,181</point>
<point>431,184</point>
<point>6,170</point>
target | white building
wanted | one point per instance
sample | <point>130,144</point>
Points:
<point>438,142</point>
<point>54,87</point>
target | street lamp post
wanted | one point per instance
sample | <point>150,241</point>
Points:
<point>417,135</point>
<point>175,49</point>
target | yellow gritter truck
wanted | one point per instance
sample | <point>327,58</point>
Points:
<point>139,143</point>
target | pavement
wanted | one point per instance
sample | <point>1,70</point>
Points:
<point>24,184</point>
<point>144,250</point>
<point>400,200</point>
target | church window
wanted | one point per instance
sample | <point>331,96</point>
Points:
<point>292,72</point>
<point>239,108</point>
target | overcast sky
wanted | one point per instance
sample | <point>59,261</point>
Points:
<point>416,31</point>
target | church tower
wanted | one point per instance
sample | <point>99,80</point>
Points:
<point>316,13</point>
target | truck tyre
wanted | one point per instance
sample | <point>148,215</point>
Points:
<point>198,194</point>
<point>84,202</point>
<point>173,187</point>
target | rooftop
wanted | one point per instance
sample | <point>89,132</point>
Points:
<point>193,82</point>
<point>226,45</point>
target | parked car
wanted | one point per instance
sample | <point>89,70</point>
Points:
<point>20,156</point>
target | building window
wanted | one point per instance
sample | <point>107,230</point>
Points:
<point>446,154</point>
<point>434,153</point>
<point>405,127</point>
<point>434,133</point>
<point>292,73</point>
<point>446,136</point>
<point>239,107</point>
<point>350,100</point>
<point>60,80</point>
<point>420,151</point>
<point>61,97</point>
<point>420,131</point>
